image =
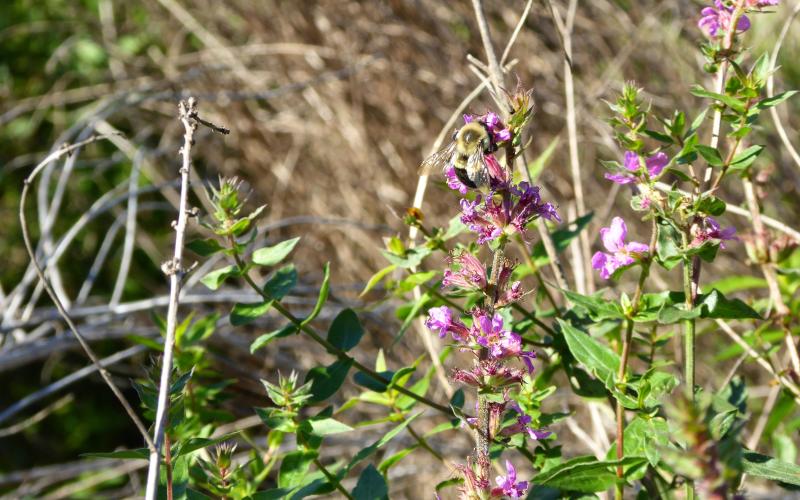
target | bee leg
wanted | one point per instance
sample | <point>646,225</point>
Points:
<point>464,178</point>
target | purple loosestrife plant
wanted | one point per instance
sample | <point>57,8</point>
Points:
<point>501,363</point>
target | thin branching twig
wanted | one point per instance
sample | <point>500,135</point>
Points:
<point>55,155</point>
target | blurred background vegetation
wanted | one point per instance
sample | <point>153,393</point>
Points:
<point>332,105</point>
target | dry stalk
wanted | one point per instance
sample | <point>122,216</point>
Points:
<point>174,269</point>
<point>55,155</point>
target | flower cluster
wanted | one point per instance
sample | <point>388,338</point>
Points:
<point>716,21</point>
<point>468,274</point>
<point>487,331</point>
<point>505,211</point>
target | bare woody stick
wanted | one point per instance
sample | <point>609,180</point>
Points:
<point>174,269</point>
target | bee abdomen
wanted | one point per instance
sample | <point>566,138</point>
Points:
<point>464,178</point>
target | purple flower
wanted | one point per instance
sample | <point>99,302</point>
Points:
<point>711,230</point>
<point>508,485</point>
<point>475,218</point>
<point>523,425</point>
<point>453,182</point>
<point>620,253</point>
<point>440,320</point>
<point>757,4</point>
<point>489,333</point>
<point>470,273</point>
<point>717,21</point>
<point>654,164</point>
<point>507,293</point>
<point>498,175</point>
<point>493,124</point>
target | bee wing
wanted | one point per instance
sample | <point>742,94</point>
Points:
<point>477,170</point>
<point>439,159</point>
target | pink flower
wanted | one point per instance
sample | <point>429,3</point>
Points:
<point>493,124</point>
<point>508,485</point>
<point>469,275</point>
<point>440,320</point>
<point>717,22</point>
<point>453,182</point>
<point>523,425</point>
<point>711,230</point>
<point>620,254</point>
<point>502,344</point>
<point>507,293</point>
<point>757,4</point>
<point>654,165</point>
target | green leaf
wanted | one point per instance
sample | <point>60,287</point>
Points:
<point>643,438</point>
<point>323,295</point>
<point>727,100</point>
<point>744,159</point>
<point>199,330</point>
<point>326,380</point>
<point>205,248</point>
<point>411,257</point>
<point>585,474</point>
<point>597,358</point>
<point>561,239</point>
<point>214,279</point>
<point>775,100</point>
<point>536,166</point>
<point>718,306</point>
<point>269,256</point>
<point>767,467</point>
<point>197,443</point>
<point>345,331</point>
<point>598,307</point>
<point>326,426</point>
<point>246,313</point>
<point>710,205</point>
<point>294,468</point>
<point>415,309</point>
<point>653,134</point>
<point>377,278</point>
<point>269,337</point>
<point>369,450</point>
<point>710,155</point>
<point>370,383</point>
<point>371,485</point>
<point>137,454</point>
<point>281,282</point>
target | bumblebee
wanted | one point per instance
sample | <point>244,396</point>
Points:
<point>466,153</point>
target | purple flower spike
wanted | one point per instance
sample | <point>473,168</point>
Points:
<point>508,485</point>
<point>620,253</point>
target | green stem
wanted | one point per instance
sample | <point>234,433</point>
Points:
<point>626,349</point>
<point>332,479</point>
<point>327,345</point>
<point>688,325</point>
